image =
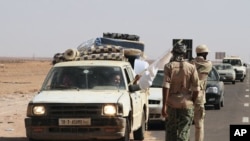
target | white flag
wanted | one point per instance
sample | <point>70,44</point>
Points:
<point>149,74</point>
<point>140,66</point>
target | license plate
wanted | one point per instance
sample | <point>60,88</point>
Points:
<point>211,99</point>
<point>74,121</point>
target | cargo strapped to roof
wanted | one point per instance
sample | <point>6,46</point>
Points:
<point>112,46</point>
<point>105,52</point>
<point>121,36</point>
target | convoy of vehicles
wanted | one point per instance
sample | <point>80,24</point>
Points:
<point>90,105</point>
<point>79,100</point>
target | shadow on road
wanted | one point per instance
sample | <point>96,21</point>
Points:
<point>25,139</point>
<point>156,126</point>
<point>13,139</point>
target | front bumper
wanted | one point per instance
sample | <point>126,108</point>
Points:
<point>155,114</point>
<point>228,78</point>
<point>212,99</point>
<point>155,106</point>
<point>100,128</point>
<point>239,75</point>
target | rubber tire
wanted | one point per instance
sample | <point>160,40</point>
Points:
<point>217,106</point>
<point>127,132</point>
<point>139,133</point>
<point>32,139</point>
<point>222,103</point>
<point>233,82</point>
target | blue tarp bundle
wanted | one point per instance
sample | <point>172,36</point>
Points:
<point>109,41</point>
<point>120,42</point>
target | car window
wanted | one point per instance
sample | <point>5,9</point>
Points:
<point>234,62</point>
<point>79,77</point>
<point>223,67</point>
<point>219,67</point>
<point>213,75</point>
<point>158,80</point>
<point>228,67</point>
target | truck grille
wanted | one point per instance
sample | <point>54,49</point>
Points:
<point>72,130</point>
<point>74,110</point>
<point>152,116</point>
<point>154,102</point>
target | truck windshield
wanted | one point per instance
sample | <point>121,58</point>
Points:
<point>78,77</point>
<point>233,62</point>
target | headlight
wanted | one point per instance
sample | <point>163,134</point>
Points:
<point>38,110</point>
<point>109,110</point>
<point>212,90</point>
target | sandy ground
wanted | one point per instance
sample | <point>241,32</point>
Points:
<point>20,80</point>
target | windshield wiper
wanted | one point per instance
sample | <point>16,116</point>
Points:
<point>63,87</point>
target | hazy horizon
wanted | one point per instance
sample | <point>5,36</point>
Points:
<point>42,28</point>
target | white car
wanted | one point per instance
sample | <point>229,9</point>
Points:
<point>155,99</point>
<point>227,72</point>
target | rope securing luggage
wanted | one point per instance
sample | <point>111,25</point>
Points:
<point>102,49</point>
<point>112,46</point>
<point>104,56</point>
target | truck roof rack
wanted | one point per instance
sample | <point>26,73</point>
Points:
<point>112,46</point>
<point>123,36</point>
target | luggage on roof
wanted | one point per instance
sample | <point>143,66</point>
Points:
<point>112,46</point>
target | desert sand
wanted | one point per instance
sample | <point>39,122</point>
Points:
<point>20,80</point>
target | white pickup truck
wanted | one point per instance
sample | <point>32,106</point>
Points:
<point>91,97</point>
<point>90,107</point>
<point>238,65</point>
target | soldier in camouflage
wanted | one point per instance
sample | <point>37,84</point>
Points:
<point>203,67</point>
<point>180,90</point>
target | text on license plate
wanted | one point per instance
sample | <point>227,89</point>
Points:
<point>74,121</point>
<point>211,99</point>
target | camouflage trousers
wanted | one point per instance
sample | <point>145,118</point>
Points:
<point>199,115</point>
<point>178,124</point>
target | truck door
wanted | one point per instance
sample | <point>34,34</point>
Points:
<point>135,98</point>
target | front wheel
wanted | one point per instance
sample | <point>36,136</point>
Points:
<point>242,79</point>
<point>127,131</point>
<point>233,82</point>
<point>217,106</point>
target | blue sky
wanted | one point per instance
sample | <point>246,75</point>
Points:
<point>41,28</point>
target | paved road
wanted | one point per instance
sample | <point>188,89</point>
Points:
<point>217,122</point>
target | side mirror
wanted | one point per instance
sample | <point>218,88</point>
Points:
<point>134,87</point>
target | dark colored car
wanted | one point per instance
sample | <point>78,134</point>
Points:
<point>214,90</point>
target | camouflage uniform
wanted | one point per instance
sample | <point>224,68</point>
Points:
<point>203,67</point>
<point>180,77</point>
